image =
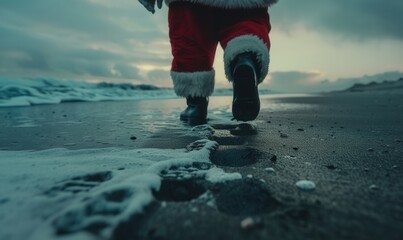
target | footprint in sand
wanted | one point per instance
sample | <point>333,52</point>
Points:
<point>96,213</point>
<point>245,196</point>
<point>183,183</point>
<point>235,156</point>
<point>79,184</point>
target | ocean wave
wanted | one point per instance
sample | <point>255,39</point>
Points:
<point>28,92</point>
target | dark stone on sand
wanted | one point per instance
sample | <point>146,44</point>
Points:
<point>331,167</point>
<point>283,135</point>
<point>300,129</point>
<point>370,149</point>
<point>295,148</point>
<point>244,196</point>
<point>133,138</point>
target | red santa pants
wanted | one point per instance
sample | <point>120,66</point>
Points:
<point>195,30</point>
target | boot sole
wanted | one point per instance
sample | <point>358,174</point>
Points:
<point>246,103</point>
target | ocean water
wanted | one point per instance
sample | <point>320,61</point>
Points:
<point>28,92</point>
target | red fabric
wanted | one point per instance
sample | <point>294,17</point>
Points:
<point>195,30</point>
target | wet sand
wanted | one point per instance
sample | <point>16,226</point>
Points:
<point>348,144</point>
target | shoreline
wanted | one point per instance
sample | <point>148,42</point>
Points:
<point>348,144</point>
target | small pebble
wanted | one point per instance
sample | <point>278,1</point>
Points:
<point>394,167</point>
<point>331,167</point>
<point>290,157</point>
<point>249,176</point>
<point>133,138</point>
<point>283,135</point>
<point>305,185</point>
<point>366,169</point>
<point>269,169</point>
<point>373,187</point>
<point>250,223</point>
<point>398,140</point>
<point>300,129</point>
<point>370,149</point>
<point>295,148</point>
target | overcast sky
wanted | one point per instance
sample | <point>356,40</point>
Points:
<point>316,44</point>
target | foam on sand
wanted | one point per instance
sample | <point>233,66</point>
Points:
<point>59,193</point>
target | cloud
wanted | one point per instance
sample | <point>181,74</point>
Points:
<point>293,81</point>
<point>310,82</point>
<point>160,78</point>
<point>119,40</point>
<point>357,19</point>
<point>80,38</point>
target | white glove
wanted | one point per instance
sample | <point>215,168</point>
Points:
<point>150,4</point>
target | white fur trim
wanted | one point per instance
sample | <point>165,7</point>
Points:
<point>193,84</point>
<point>247,43</point>
<point>229,3</point>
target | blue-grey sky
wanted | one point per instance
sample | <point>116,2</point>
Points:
<point>316,44</point>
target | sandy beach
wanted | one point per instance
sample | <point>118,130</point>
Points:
<point>345,147</point>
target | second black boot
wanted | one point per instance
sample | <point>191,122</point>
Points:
<point>246,103</point>
<point>196,111</point>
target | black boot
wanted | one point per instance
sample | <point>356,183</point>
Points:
<point>246,103</point>
<point>196,112</point>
